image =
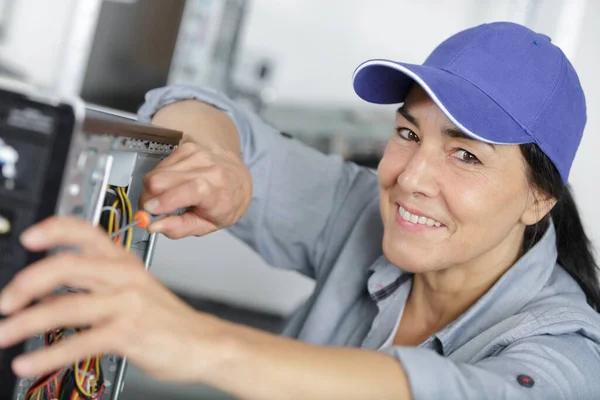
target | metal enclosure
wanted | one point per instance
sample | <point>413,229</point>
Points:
<point>107,149</point>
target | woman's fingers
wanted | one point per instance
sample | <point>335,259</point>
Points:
<point>72,310</point>
<point>180,226</point>
<point>76,347</point>
<point>173,174</point>
<point>196,192</point>
<point>159,181</point>
<point>71,233</point>
<point>66,269</point>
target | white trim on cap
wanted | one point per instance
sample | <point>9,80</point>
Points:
<point>426,87</point>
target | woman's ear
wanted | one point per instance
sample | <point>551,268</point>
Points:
<point>538,205</point>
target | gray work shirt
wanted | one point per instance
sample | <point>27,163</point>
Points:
<point>531,336</point>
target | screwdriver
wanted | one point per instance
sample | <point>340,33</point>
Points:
<point>143,219</point>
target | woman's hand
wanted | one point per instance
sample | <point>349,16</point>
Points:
<point>205,174</point>
<point>125,311</point>
<point>213,184</point>
<point>128,312</point>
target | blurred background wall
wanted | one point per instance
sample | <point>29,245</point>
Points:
<point>289,60</point>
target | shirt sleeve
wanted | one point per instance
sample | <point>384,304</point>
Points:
<point>300,195</point>
<point>542,367</point>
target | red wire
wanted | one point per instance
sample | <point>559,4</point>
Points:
<point>99,394</point>
<point>41,383</point>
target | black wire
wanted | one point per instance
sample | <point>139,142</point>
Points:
<point>109,199</point>
<point>66,389</point>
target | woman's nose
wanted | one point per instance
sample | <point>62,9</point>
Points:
<point>419,174</point>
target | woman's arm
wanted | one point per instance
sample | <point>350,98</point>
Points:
<point>262,366</point>
<point>299,194</point>
<point>126,311</point>
<point>201,123</point>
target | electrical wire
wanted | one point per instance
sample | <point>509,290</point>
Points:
<point>79,383</point>
<point>48,383</point>
<point>128,210</point>
<point>123,205</point>
<point>112,220</point>
<point>114,210</point>
<point>41,383</point>
<point>143,219</point>
<point>110,190</point>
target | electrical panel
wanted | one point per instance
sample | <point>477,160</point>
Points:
<point>61,157</point>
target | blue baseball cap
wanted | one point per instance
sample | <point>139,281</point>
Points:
<point>500,83</point>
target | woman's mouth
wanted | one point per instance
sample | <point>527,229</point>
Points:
<point>417,219</point>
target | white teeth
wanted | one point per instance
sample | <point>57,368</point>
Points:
<point>417,219</point>
<point>405,215</point>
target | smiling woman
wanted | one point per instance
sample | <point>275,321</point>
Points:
<point>459,270</point>
<point>478,193</point>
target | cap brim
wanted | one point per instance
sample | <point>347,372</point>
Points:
<point>466,106</point>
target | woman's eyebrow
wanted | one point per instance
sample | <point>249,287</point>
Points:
<point>404,112</point>
<point>457,134</point>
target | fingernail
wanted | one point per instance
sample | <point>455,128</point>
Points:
<point>30,237</point>
<point>156,227</point>
<point>151,205</point>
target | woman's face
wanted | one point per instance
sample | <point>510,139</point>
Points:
<point>447,200</point>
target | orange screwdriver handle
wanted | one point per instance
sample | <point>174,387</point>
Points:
<point>143,218</point>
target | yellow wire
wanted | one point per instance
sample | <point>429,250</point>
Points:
<point>129,209</point>
<point>80,384</point>
<point>98,364</point>
<point>130,213</point>
<point>112,217</point>
<point>97,374</point>
<point>39,396</point>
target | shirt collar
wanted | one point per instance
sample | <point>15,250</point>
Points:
<point>510,293</point>
<point>384,277</point>
<point>515,289</point>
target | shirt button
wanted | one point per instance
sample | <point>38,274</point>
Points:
<point>525,380</point>
<point>374,287</point>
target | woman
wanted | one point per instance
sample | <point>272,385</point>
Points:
<point>469,276</point>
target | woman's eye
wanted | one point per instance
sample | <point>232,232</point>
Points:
<point>407,134</point>
<point>467,157</point>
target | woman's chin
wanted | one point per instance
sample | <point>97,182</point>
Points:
<point>411,260</point>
